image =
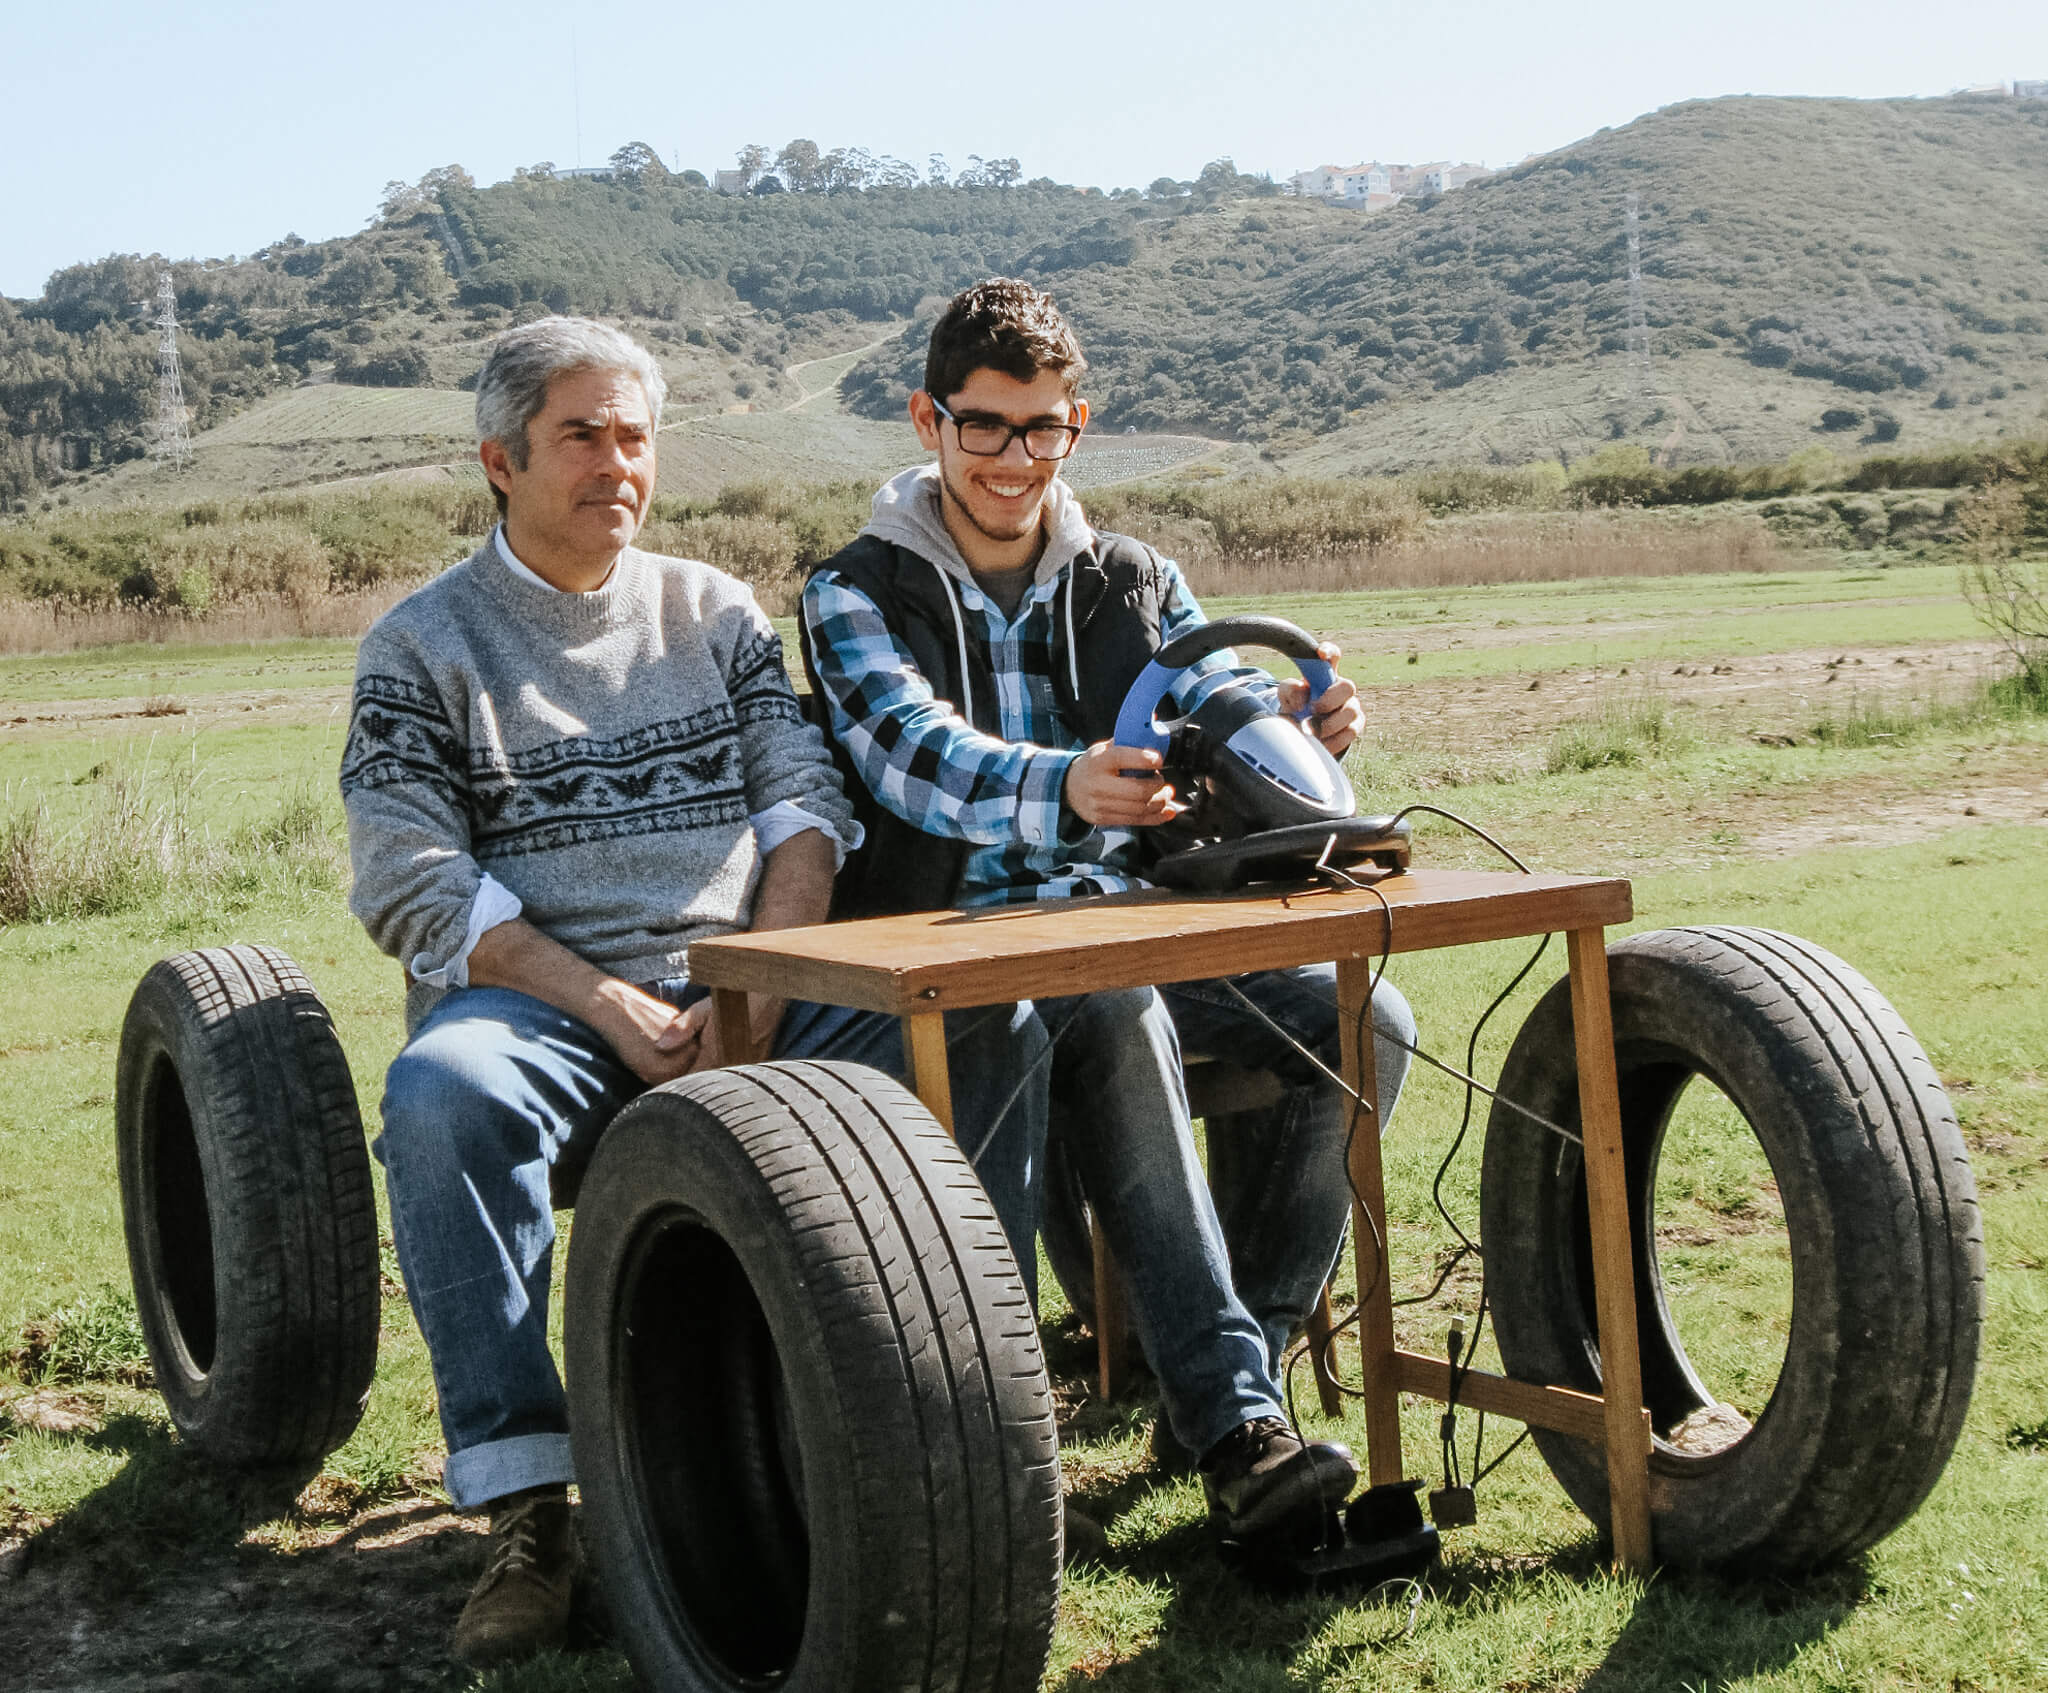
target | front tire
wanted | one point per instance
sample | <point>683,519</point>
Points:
<point>812,1427</point>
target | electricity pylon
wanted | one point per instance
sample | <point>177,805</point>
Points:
<point>173,442</point>
<point>1638,320</point>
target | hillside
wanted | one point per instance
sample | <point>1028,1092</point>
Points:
<point>729,292</point>
<point>1814,270</point>
<point>1874,259</point>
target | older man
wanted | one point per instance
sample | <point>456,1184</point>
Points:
<point>567,760</point>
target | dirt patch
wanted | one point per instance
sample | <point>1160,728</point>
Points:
<point>49,1411</point>
<point>237,1584</point>
<point>1901,821</point>
<point>64,717</point>
<point>1502,724</point>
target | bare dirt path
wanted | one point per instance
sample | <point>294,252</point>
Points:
<point>235,705</point>
<point>1505,722</point>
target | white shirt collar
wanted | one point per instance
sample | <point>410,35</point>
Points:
<point>512,562</point>
<point>526,574</point>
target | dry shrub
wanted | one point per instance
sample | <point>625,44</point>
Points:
<point>1270,520</point>
<point>54,626</point>
<point>213,563</point>
<point>136,837</point>
<point>756,548</point>
<point>137,840</point>
<point>1556,547</point>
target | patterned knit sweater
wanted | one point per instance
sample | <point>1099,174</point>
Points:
<point>599,754</point>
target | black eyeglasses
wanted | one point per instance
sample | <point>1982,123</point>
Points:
<point>990,437</point>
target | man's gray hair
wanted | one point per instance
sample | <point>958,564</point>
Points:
<point>513,384</point>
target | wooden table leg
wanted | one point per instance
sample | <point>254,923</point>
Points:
<point>1369,1231</point>
<point>1112,1320</point>
<point>1322,1354</point>
<point>924,1042</point>
<point>735,1027</point>
<point>1614,1281</point>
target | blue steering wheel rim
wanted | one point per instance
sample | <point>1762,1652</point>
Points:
<point>1136,725</point>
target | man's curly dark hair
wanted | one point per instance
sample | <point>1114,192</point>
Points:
<point>1004,325</point>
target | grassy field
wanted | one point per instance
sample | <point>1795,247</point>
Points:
<point>1748,749</point>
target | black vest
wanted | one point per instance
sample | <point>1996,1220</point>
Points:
<point>1119,595</point>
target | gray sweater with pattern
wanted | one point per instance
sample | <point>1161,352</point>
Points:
<point>599,754</point>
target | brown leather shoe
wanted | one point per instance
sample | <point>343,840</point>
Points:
<point>521,1604</point>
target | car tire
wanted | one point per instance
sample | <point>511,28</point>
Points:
<point>812,1426</point>
<point>247,1202</point>
<point>1880,1209</point>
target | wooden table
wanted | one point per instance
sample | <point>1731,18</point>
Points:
<point>921,966</point>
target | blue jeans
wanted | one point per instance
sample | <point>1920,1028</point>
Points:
<point>1137,1156</point>
<point>1281,1173</point>
<point>492,1092</point>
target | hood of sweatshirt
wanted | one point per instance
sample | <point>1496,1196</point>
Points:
<point>906,512</point>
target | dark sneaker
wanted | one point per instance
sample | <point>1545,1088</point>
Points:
<point>1262,1479</point>
<point>521,1604</point>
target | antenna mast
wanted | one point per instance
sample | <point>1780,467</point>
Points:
<point>1638,320</point>
<point>173,443</point>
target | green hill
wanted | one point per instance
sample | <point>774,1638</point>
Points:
<point>1884,261</point>
<point>1814,270</point>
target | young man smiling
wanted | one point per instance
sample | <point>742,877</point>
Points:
<point>972,647</point>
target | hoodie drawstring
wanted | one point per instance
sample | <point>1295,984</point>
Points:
<point>960,633</point>
<point>1073,664</point>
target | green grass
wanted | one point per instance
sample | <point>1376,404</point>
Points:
<point>1626,730</point>
<point>187,673</point>
<point>1952,927</point>
<point>335,412</point>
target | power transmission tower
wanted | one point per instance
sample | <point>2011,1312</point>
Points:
<point>173,443</point>
<point>1638,320</point>
<point>452,243</point>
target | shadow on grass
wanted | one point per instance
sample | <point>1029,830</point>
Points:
<point>1700,1632</point>
<point>1696,1632</point>
<point>1706,1633</point>
<point>175,1575</point>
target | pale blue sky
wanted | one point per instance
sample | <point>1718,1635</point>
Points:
<point>208,129</point>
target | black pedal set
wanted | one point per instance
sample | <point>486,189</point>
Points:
<point>1380,1536</point>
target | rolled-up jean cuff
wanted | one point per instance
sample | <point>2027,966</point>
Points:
<point>478,1474</point>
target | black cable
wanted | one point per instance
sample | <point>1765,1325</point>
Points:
<point>1507,1453</point>
<point>1463,823</point>
<point>1436,1187</point>
<point>1462,1361</point>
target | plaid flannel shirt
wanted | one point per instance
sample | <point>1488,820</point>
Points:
<point>1002,795</point>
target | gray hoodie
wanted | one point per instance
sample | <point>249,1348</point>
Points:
<point>906,511</point>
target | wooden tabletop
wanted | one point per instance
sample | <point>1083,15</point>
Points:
<point>943,960</point>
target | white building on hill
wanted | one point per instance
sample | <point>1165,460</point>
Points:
<point>1375,186</point>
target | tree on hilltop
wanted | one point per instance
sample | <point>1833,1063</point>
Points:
<point>638,162</point>
<point>797,165</point>
<point>408,199</point>
<point>752,158</point>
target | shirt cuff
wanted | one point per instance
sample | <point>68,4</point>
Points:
<point>494,904</point>
<point>1041,797</point>
<point>786,818</point>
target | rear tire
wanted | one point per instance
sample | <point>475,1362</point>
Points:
<point>1880,1208</point>
<point>812,1427</point>
<point>248,1206</point>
